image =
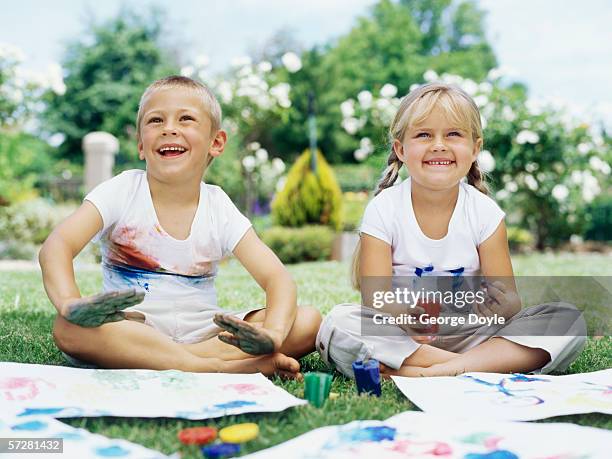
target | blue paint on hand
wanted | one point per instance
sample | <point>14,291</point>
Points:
<point>111,451</point>
<point>32,425</point>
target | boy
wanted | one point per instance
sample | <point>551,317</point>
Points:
<point>162,233</point>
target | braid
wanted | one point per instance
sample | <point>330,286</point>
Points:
<point>390,174</point>
<point>476,178</point>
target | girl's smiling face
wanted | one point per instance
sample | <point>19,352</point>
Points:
<point>176,139</point>
<point>437,153</point>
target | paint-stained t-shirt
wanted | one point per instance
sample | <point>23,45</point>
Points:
<point>137,252</point>
<point>390,217</point>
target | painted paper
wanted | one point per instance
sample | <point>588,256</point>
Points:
<point>511,396</point>
<point>77,443</point>
<point>416,434</point>
<point>60,392</point>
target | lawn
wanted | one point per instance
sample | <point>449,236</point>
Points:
<point>25,336</point>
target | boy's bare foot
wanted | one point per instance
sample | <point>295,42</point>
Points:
<point>244,335</point>
<point>272,364</point>
<point>93,311</point>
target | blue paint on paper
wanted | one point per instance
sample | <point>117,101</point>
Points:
<point>32,425</point>
<point>497,454</point>
<point>72,436</point>
<point>36,411</point>
<point>371,433</point>
<point>235,404</point>
<point>111,451</point>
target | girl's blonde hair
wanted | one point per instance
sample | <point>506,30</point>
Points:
<point>414,108</point>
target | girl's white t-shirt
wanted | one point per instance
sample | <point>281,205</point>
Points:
<point>390,217</point>
<point>137,251</point>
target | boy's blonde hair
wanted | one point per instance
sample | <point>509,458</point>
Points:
<point>210,102</point>
<point>414,108</point>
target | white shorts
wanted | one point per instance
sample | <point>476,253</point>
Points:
<point>185,321</point>
<point>340,341</point>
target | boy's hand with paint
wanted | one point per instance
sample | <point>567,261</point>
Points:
<point>95,310</point>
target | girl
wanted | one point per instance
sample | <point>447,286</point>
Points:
<point>435,224</point>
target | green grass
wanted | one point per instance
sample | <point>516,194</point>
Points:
<point>25,336</point>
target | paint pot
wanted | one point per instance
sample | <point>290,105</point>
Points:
<point>316,387</point>
<point>367,376</point>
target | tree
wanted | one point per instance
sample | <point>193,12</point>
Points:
<point>105,75</point>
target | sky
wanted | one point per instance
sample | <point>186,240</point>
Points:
<point>559,48</point>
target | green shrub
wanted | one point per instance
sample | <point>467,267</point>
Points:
<point>294,245</point>
<point>599,215</point>
<point>519,239</point>
<point>353,206</point>
<point>356,177</point>
<point>307,198</point>
<point>31,221</point>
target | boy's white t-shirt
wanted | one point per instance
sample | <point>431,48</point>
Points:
<point>137,252</point>
<point>390,217</point>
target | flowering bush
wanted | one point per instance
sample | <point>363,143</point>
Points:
<point>545,165</point>
<point>261,176</point>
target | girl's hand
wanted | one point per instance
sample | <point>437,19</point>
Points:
<point>499,301</point>
<point>246,336</point>
<point>416,331</point>
<point>93,311</point>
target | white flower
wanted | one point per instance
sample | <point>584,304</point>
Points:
<point>429,76</point>
<point>187,71</point>
<point>241,61</point>
<point>56,139</point>
<point>583,148</point>
<point>470,87</point>
<point>278,165</point>
<point>531,182</point>
<point>576,177</point>
<point>292,62</point>
<point>248,162</point>
<point>413,86</point>
<point>531,167</point>
<point>225,91</point>
<point>281,93</point>
<point>494,74</point>
<point>388,90</point>
<point>264,66</point>
<point>485,87</point>
<point>360,154</point>
<point>534,106</point>
<point>55,79</point>
<point>365,99</point>
<point>254,146</point>
<point>526,136</point>
<point>246,113</point>
<point>560,192</point>
<point>486,161</point>
<point>483,122</point>
<point>347,108</point>
<point>261,155</point>
<point>508,114</point>
<point>350,125</point>
<point>366,145</point>
<point>502,194</point>
<point>201,60</point>
<point>481,100</point>
<point>599,165</point>
<point>281,184</point>
<point>590,186</point>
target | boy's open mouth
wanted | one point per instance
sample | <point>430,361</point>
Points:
<point>169,151</point>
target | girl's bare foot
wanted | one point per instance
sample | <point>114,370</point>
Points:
<point>270,365</point>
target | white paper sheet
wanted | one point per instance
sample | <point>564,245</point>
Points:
<point>77,443</point>
<point>511,397</point>
<point>63,392</point>
<point>416,434</point>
